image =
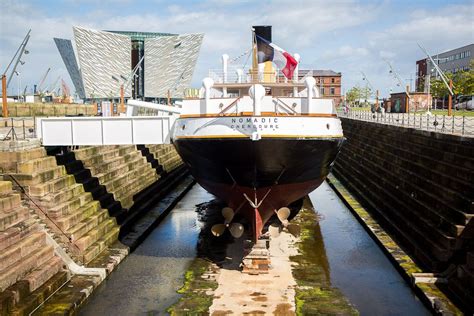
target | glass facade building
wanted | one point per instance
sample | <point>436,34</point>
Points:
<point>106,60</point>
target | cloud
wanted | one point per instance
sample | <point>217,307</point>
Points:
<point>345,36</point>
<point>346,52</point>
<point>438,29</point>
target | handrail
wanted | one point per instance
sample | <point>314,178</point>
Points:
<point>221,113</point>
<point>45,214</point>
<point>286,106</point>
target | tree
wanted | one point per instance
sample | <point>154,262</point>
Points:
<point>438,89</point>
<point>464,81</point>
<point>355,94</point>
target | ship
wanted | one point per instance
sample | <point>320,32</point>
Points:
<point>258,140</point>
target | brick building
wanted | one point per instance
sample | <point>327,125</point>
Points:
<point>418,101</point>
<point>328,81</point>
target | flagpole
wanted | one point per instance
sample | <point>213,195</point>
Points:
<point>254,56</point>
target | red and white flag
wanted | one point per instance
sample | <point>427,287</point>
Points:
<point>267,51</point>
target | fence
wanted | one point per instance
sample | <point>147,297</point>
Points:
<point>17,128</point>
<point>459,125</point>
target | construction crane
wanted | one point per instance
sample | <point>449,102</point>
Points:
<point>65,90</point>
<point>52,87</point>
<point>40,84</point>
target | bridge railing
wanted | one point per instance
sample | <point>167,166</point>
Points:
<point>458,125</point>
<point>79,131</point>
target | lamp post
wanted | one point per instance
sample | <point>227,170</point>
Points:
<point>20,51</point>
<point>448,84</point>
<point>18,83</point>
<point>4,96</point>
<point>429,96</point>
<point>364,77</point>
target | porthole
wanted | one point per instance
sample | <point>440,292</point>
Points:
<point>328,126</point>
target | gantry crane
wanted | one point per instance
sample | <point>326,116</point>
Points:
<point>40,84</point>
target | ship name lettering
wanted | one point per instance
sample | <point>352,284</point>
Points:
<point>255,120</point>
<point>254,123</point>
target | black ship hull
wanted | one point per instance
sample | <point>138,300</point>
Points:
<point>270,172</point>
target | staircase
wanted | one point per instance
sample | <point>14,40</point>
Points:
<point>29,269</point>
<point>122,170</point>
<point>90,183</point>
<point>166,156</point>
<point>72,216</point>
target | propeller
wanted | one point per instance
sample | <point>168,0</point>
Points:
<point>235,229</point>
<point>283,214</point>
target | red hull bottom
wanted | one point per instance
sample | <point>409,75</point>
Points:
<point>268,199</point>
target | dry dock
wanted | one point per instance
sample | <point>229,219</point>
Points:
<point>347,272</point>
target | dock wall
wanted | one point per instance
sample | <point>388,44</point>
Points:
<point>86,199</point>
<point>50,109</point>
<point>420,186</point>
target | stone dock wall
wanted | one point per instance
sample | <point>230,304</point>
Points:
<point>50,109</point>
<point>420,186</point>
<point>82,199</point>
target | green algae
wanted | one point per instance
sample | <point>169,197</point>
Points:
<point>198,284</point>
<point>431,290</point>
<point>314,293</point>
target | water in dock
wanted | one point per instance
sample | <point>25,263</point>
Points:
<point>357,266</point>
<point>146,282</point>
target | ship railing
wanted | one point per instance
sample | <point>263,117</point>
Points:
<point>455,124</point>
<point>251,76</point>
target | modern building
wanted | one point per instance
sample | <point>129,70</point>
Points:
<point>452,61</point>
<point>328,81</point>
<point>148,65</point>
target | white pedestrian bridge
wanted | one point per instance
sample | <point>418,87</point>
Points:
<point>122,130</point>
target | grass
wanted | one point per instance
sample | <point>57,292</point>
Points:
<point>195,300</point>
<point>314,293</point>
<point>364,108</point>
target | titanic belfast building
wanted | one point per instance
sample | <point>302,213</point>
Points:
<point>148,65</point>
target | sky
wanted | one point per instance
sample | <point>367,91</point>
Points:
<point>345,36</point>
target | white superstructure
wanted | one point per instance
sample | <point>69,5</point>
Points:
<point>258,115</point>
